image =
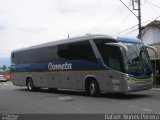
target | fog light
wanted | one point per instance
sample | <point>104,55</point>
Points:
<point>129,88</point>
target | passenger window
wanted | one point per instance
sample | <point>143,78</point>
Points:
<point>77,51</point>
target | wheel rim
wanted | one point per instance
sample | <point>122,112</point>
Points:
<point>30,85</point>
<point>92,89</point>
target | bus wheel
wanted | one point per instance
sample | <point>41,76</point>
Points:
<point>30,85</point>
<point>94,88</point>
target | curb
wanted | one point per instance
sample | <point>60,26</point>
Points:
<point>155,89</point>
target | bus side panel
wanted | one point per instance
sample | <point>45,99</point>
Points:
<point>39,80</point>
<point>101,77</point>
<point>76,79</point>
<point>105,85</point>
<point>80,80</point>
<point>18,79</point>
<point>53,79</point>
<point>117,82</point>
<point>69,80</point>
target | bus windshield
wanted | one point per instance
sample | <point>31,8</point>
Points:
<point>137,61</point>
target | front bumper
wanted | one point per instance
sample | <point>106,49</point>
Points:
<point>139,84</point>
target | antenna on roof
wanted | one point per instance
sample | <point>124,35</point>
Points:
<point>68,36</point>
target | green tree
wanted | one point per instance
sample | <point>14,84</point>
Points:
<point>4,67</point>
<point>1,68</point>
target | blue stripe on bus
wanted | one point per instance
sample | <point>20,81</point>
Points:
<point>123,39</point>
<point>140,77</point>
<point>76,65</point>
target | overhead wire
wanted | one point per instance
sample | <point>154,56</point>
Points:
<point>145,1</point>
<point>153,9</point>
<point>131,31</point>
<point>130,11</point>
<point>153,4</point>
<point>106,17</point>
<point>121,23</point>
<point>127,29</point>
<point>132,27</point>
<point>157,17</point>
<point>137,25</point>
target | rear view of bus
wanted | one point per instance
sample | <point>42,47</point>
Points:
<point>93,63</point>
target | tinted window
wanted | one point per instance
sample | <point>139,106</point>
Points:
<point>111,55</point>
<point>72,51</point>
<point>12,57</point>
<point>36,55</point>
<point>114,57</point>
<point>77,51</point>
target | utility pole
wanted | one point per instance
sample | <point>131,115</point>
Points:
<point>139,15</point>
<point>139,18</point>
<point>134,2</point>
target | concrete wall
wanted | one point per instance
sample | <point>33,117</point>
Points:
<point>148,36</point>
<point>151,36</point>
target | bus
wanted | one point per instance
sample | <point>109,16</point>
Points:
<point>92,63</point>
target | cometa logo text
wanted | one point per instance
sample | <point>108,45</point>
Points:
<point>65,66</point>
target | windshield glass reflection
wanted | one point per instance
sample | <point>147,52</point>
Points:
<point>137,61</point>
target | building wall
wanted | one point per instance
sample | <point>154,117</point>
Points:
<point>156,35</point>
<point>147,35</point>
<point>151,35</point>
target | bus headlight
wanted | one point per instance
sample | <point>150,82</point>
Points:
<point>131,81</point>
<point>129,88</point>
<point>126,77</point>
<point>128,80</point>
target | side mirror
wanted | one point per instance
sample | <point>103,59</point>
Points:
<point>124,48</point>
<point>153,49</point>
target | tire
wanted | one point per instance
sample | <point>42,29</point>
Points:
<point>93,89</point>
<point>30,85</point>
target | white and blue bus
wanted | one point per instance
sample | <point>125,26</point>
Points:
<point>94,63</point>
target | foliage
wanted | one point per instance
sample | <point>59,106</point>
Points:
<point>4,67</point>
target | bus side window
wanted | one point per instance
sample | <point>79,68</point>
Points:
<point>63,51</point>
<point>115,58</point>
<point>12,55</point>
<point>77,51</point>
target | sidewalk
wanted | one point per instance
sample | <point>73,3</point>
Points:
<point>156,88</point>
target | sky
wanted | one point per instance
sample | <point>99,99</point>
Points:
<point>25,23</point>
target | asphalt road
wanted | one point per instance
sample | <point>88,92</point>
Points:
<point>18,100</point>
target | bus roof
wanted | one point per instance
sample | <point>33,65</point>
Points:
<point>81,38</point>
<point>126,39</point>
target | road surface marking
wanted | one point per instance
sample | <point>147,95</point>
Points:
<point>132,106</point>
<point>135,106</point>
<point>65,98</point>
<point>6,84</point>
<point>147,110</point>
